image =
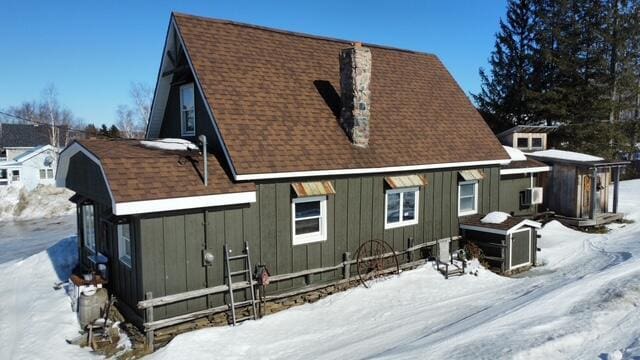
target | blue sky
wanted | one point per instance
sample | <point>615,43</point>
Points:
<point>93,50</point>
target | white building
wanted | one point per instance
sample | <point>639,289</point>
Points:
<point>31,168</point>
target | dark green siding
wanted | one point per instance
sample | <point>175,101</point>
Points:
<point>85,178</point>
<point>510,188</point>
<point>172,244</point>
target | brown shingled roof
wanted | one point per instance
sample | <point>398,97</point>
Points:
<point>137,173</point>
<point>475,220</point>
<point>275,96</point>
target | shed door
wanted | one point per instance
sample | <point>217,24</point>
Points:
<point>520,248</point>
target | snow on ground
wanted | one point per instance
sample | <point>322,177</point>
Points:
<point>566,155</point>
<point>45,201</point>
<point>582,304</point>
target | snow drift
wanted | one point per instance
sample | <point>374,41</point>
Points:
<point>45,201</point>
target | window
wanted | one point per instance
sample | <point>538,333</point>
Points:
<point>3,177</point>
<point>187,110</point>
<point>523,143</point>
<point>536,143</point>
<point>46,174</point>
<point>402,207</point>
<point>124,244</point>
<point>309,219</point>
<point>88,227</point>
<point>467,197</point>
<point>15,175</point>
<point>49,173</point>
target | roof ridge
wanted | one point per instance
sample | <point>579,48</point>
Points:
<point>298,34</point>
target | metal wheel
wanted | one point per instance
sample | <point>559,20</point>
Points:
<point>375,258</point>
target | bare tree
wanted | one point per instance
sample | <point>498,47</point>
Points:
<point>126,122</point>
<point>142,95</point>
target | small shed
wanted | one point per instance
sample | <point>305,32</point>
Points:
<point>577,187</point>
<point>509,243</point>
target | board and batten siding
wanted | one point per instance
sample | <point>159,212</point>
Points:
<point>172,244</point>
<point>510,188</point>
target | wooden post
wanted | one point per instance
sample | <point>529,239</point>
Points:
<point>410,243</point>
<point>346,271</point>
<point>594,201</point>
<point>149,318</point>
<point>616,184</point>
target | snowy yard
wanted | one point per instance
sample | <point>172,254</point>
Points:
<point>582,304</point>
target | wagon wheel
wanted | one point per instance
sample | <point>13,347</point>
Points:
<point>372,262</point>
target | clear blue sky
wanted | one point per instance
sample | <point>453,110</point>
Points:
<point>93,50</point>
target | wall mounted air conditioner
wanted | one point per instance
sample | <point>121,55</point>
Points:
<point>532,196</point>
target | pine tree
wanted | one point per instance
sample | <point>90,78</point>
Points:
<point>114,132</point>
<point>504,96</point>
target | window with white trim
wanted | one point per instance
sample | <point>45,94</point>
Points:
<point>467,197</point>
<point>88,227</point>
<point>536,143</point>
<point>4,180</point>
<point>309,219</point>
<point>187,110</point>
<point>46,174</point>
<point>15,175</point>
<point>124,244</point>
<point>522,143</point>
<point>401,207</point>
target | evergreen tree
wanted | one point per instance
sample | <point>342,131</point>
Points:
<point>104,131</point>
<point>90,131</point>
<point>504,96</point>
<point>114,132</point>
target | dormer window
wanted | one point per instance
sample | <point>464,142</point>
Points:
<point>523,143</point>
<point>187,110</point>
<point>536,143</point>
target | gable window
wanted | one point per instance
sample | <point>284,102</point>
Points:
<point>187,110</point>
<point>536,143</point>
<point>467,197</point>
<point>523,143</point>
<point>309,216</point>
<point>88,227</point>
<point>401,207</point>
<point>124,244</point>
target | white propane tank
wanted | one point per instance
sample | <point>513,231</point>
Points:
<point>90,304</point>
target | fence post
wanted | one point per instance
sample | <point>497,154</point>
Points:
<point>346,271</point>
<point>149,318</point>
<point>410,243</point>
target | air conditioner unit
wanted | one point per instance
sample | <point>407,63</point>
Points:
<point>532,196</point>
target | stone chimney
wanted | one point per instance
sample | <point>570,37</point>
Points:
<point>355,75</point>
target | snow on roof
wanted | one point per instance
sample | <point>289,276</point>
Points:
<point>495,217</point>
<point>566,155</point>
<point>169,144</point>
<point>515,154</point>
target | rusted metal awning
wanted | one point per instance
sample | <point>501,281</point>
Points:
<point>405,181</point>
<point>469,175</point>
<point>315,188</point>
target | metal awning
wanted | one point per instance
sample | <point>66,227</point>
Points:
<point>469,175</point>
<point>405,181</point>
<point>315,188</point>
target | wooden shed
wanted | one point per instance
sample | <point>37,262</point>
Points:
<point>508,246</point>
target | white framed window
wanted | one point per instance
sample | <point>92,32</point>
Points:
<point>309,219</point>
<point>187,110</point>
<point>49,173</point>
<point>467,197</point>
<point>15,175</point>
<point>522,143</point>
<point>4,180</point>
<point>88,227</point>
<point>46,174</point>
<point>401,207</point>
<point>536,143</point>
<point>124,244</point>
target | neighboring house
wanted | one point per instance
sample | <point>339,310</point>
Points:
<point>31,168</point>
<point>316,146</point>
<point>16,139</point>
<point>561,181</point>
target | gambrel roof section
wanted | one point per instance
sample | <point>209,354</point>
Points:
<point>273,97</point>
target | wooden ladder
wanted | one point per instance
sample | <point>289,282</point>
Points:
<point>248,280</point>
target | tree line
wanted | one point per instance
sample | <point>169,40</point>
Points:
<point>572,63</point>
<point>130,120</point>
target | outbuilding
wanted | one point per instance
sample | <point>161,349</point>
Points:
<point>508,243</point>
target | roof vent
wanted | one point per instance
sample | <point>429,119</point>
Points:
<point>355,76</point>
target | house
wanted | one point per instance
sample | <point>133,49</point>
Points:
<point>16,139</point>
<point>560,181</point>
<point>31,168</point>
<point>308,147</point>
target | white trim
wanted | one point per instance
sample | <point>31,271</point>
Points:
<point>530,170</point>
<point>401,223</point>
<point>183,123</point>
<point>84,226</point>
<point>475,198</point>
<point>181,203</point>
<point>296,174</point>
<point>511,267</point>
<point>125,259</point>
<point>321,234</point>
<point>24,157</point>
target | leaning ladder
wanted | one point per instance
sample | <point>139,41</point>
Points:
<point>248,279</point>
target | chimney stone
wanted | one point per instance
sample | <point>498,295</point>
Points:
<point>355,76</point>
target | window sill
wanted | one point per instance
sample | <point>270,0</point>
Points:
<point>189,134</point>
<point>467,213</point>
<point>126,260</point>
<point>400,224</point>
<point>303,240</point>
